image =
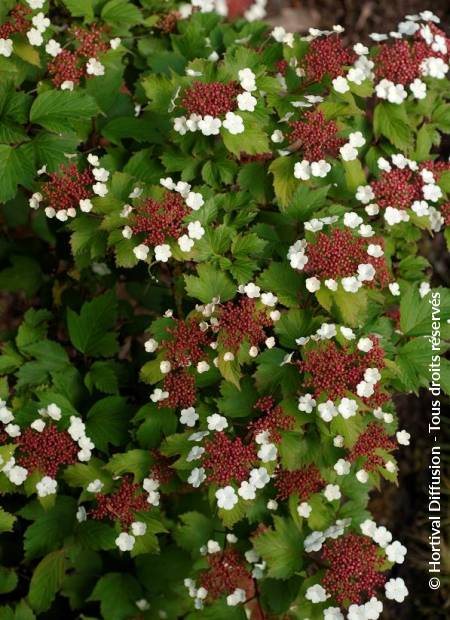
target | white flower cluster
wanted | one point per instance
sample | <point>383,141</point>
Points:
<point>77,430</point>
<point>431,193</point>
<point>209,125</point>
<point>298,257</point>
<point>194,200</point>
<point>349,151</point>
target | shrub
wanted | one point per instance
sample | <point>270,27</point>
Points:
<point>213,288</point>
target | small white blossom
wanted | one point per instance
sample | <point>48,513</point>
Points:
<point>6,47</point>
<point>259,477</point>
<point>217,422</point>
<point>125,541</point>
<point>35,37</point>
<point>247,490</point>
<point>246,102</point>
<point>194,201</point>
<point>304,510</point>
<point>197,476</point>
<point>332,492</point>
<point>316,594</point>
<point>340,85</point>
<point>403,438</point>
<point>195,230</point>
<point>226,498</point>
<point>342,467</point>
<point>210,126</point>
<point>94,67</point>
<point>162,253</point>
<point>365,345</point>
<point>233,123</point>
<point>347,408</point>
<point>396,590</point>
<point>95,486</point>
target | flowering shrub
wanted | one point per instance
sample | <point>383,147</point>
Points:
<point>212,256</point>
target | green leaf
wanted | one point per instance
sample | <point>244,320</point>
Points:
<point>50,528</point>
<point>194,531</point>
<point>52,149</point>
<point>284,182</point>
<point>237,403</point>
<point>136,462</point>
<point>89,331</point>
<point>210,283</point>
<point>286,283</point>
<point>7,521</point>
<point>121,13</point>
<point>281,548</point>
<point>8,580</point>
<point>391,120</point>
<point>56,109</point>
<point>107,422</point>
<point>47,580</point>
<point>117,594</point>
<point>81,8</point>
<point>17,167</point>
<point>103,376</point>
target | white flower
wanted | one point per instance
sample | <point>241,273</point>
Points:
<point>100,174</point>
<point>183,188</point>
<point>252,291</point>
<point>189,416</point>
<point>179,125</point>
<point>197,476</point>
<point>396,590</point>
<point>348,333</point>
<point>320,168</point>
<point>226,498</point>
<point>165,367</point>
<point>331,284</point>
<point>277,136</point>
<point>375,250</point>
<point>342,467</point>
<point>418,89</point>
<point>396,552</point>
<point>304,510</point>
<point>347,408</point>
<point>432,192</point>
<point>269,299</point>
<point>306,403</point>
<point>364,389</point>
<point>424,289</point>
<point>114,43</point>
<point>332,613</point>
<point>302,170</point>
<point>195,453</point>
<point>125,541</point>
<point>46,486</point>
<point>67,85</point>
<point>81,514</point>
<point>53,48</point>
<point>352,220</point>
<point>228,356</point>
<point>259,477</point>
<point>210,126</point>
<point>272,504</point>
<point>94,67</point>
<point>217,422</point>
<point>35,4</point>
<point>382,536</point>
<point>38,425</point>
<point>95,486</point>
<point>162,253</point>
<point>312,284</point>
<point>372,375</point>
<point>246,102</point>
<point>327,411</point>
<point>348,152</point>
<point>332,492</point>
<point>373,609</point>
<point>340,85</point>
<point>434,67</point>
<point>365,345</point>
<point>185,243</point>
<point>360,49</point>
<point>13,430</point>
<point>351,284</point>
<point>278,33</point>
<point>366,230</point>
<point>195,230</point>
<point>100,189</point>
<point>316,594</point>
<point>138,528</point>
<point>40,22</point>
<point>372,209</point>
<point>356,139</point>
<point>17,474</point>
<point>202,367</point>
<point>247,79</point>
<point>364,193</point>
<point>76,429</point>
<point>151,345</point>
<point>314,542</point>
<point>268,452</point>
<point>394,287</point>
<point>327,331</point>
<point>194,201</point>
<point>403,438</point>
<point>141,251</point>
<point>362,476</point>
<point>238,596</point>
<point>234,123</point>
<point>247,490</point>
<point>357,612</point>
<point>35,37</point>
